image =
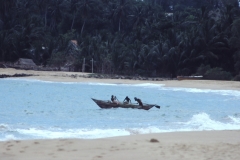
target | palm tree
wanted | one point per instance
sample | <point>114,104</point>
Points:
<point>5,8</point>
<point>56,10</point>
<point>121,12</point>
<point>41,9</point>
<point>137,17</point>
<point>86,6</point>
<point>74,9</point>
<point>5,45</point>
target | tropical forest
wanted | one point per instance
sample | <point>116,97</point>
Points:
<point>154,38</point>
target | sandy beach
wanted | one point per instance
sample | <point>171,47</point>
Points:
<point>201,145</point>
<point>78,77</point>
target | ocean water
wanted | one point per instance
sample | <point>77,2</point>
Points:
<point>32,109</point>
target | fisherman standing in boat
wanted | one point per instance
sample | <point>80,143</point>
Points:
<point>127,100</point>
<point>139,101</point>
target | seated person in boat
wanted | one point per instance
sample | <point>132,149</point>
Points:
<point>139,101</point>
<point>114,99</point>
<point>127,100</point>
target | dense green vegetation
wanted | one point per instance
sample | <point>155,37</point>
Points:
<point>125,36</point>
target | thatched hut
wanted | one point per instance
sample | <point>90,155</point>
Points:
<point>25,62</point>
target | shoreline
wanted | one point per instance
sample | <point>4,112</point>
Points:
<point>197,145</point>
<point>189,145</point>
<point>59,76</point>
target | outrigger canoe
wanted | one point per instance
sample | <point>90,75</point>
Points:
<point>109,104</point>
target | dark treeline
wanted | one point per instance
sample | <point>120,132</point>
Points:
<point>145,37</point>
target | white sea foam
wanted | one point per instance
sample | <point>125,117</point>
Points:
<point>203,121</point>
<point>148,85</point>
<point>196,90</point>
<point>24,79</point>
<point>235,120</point>
<point>73,133</point>
<point>91,83</point>
<point>32,80</point>
<point>151,129</point>
<point>8,137</point>
<point>85,133</point>
<point>145,85</point>
<point>101,84</point>
<point>3,127</point>
<point>198,122</point>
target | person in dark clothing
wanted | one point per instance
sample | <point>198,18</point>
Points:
<point>114,99</point>
<point>127,100</point>
<point>139,101</point>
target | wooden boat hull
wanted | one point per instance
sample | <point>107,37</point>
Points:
<point>109,104</point>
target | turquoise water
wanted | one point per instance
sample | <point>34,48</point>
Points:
<point>32,109</point>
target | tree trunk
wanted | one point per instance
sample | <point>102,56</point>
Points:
<point>119,25</point>
<point>73,21</point>
<point>45,18</point>
<point>83,27</point>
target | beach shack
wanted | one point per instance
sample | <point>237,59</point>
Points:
<point>23,62</point>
